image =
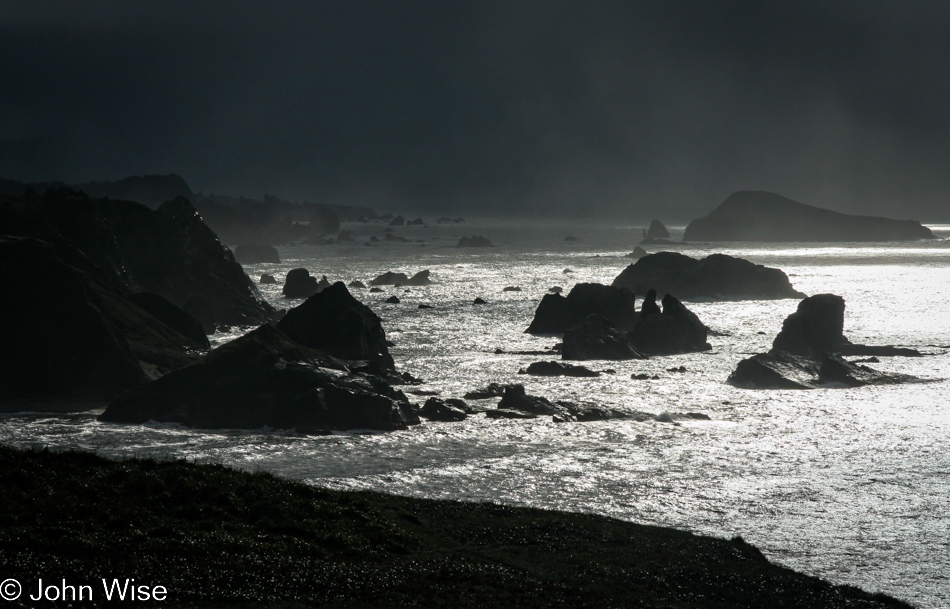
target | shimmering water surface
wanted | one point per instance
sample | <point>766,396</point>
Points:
<point>852,485</point>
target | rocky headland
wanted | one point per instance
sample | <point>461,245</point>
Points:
<point>766,216</point>
<point>217,537</point>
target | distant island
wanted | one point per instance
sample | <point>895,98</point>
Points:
<point>766,216</point>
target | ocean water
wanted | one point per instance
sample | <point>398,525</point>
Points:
<point>851,485</point>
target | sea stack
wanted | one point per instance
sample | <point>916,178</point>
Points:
<point>766,216</point>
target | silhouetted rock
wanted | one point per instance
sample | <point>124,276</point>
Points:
<point>596,338</point>
<point>638,252</point>
<point>515,398</point>
<point>172,316</point>
<point>558,369</point>
<point>356,283</point>
<point>390,278</point>
<point>816,326</point>
<point>344,236</point>
<point>675,330</point>
<point>649,306</point>
<point>57,343</point>
<point>267,279</point>
<point>397,221</point>
<point>201,309</point>
<point>425,306</point>
<point>806,353</point>
<point>555,289</point>
<point>479,301</point>
<point>716,276</point>
<point>657,231</point>
<point>555,313</point>
<point>393,300</point>
<point>766,216</point>
<point>783,370</point>
<point>324,221</point>
<point>301,284</point>
<point>492,390</point>
<point>266,379</point>
<point>375,290</point>
<point>416,222</point>
<point>255,253</point>
<point>335,322</point>
<point>171,252</point>
<point>475,241</point>
<point>436,409</point>
<point>511,288</point>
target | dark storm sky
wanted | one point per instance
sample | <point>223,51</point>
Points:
<point>637,108</point>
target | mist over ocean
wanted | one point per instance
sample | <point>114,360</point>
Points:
<point>851,485</point>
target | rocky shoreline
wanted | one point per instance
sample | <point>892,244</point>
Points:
<point>217,537</point>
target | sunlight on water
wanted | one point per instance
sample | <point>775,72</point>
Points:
<point>851,485</point>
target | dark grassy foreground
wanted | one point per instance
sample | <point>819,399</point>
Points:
<point>217,537</point>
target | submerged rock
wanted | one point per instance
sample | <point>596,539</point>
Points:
<point>766,216</point>
<point>717,276</point>
<point>558,369</point>
<point>266,379</point>
<point>517,404</point>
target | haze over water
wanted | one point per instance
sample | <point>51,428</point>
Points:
<point>850,485</point>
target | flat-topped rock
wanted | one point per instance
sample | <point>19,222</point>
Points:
<point>717,276</point>
<point>766,216</point>
<point>556,314</point>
